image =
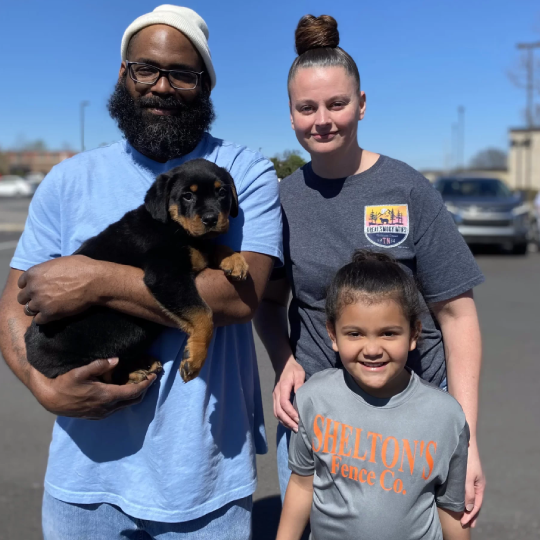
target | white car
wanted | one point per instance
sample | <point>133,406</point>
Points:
<point>14,186</point>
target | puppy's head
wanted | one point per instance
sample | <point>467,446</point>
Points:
<point>198,195</point>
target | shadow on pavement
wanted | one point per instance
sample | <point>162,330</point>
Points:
<point>266,514</point>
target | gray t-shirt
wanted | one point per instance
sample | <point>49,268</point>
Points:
<point>380,466</point>
<point>390,207</point>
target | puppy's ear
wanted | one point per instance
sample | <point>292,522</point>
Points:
<point>227,179</point>
<point>234,203</point>
<point>157,198</point>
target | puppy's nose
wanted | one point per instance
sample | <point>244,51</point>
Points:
<point>209,220</point>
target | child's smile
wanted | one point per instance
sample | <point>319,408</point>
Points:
<point>373,341</point>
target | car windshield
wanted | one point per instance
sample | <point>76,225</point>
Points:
<point>473,187</point>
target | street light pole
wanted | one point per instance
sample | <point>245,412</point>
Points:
<point>82,106</point>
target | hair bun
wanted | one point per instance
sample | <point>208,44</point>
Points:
<point>316,32</point>
<point>365,255</point>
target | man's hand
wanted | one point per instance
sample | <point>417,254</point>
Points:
<point>474,487</point>
<point>80,393</point>
<point>60,287</point>
<point>291,379</point>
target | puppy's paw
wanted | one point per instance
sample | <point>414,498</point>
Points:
<point>191,364</point>
<point>186,371</point>
<point>135,377</point>
<point>141,375</point>
<point>235,267</point>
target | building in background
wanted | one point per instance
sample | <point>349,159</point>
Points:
<point>524,159</point>
<point>25,162</point>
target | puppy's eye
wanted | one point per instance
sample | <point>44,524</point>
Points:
<point>187,196</point>
<point>222,192</point>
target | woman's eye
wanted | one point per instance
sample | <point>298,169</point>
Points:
<point>187,196</point>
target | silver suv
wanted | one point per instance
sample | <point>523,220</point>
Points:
<point>487,212</point>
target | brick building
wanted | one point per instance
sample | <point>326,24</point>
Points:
<point>34,161</point>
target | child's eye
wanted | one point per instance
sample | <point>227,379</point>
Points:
<point>389,334</point>
<point>353,334</point>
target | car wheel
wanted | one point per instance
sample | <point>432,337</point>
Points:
<point>520,249</point>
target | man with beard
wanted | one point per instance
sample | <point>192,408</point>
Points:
<point>175,460</point>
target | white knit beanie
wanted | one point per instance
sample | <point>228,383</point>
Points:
<point>184,19</point>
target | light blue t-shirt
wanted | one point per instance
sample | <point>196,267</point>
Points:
<point>187,449</point>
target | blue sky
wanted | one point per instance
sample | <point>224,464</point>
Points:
<point>419,60</point>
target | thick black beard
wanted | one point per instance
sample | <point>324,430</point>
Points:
<point>161,138</point>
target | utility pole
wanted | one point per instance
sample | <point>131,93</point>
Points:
<point>454,152</point>
<point>82,106</point>
<point>461,124</point>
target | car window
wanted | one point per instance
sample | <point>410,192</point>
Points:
<point>473,188</point>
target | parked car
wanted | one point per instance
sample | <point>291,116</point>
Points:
<point>34,178</point>
<point>487,212</point>
<point>535,229</point>
<point>15,186</point>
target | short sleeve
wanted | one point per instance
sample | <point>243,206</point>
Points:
<point>258,197</point>
<point>451,494</point>
<point>301,459</point>
<point>445,265</point>
<point>41,239</point>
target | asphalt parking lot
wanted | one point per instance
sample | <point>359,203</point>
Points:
<point>509,432</point>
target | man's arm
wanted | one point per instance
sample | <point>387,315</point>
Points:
<point>69,285</point>
<point>78,393</point>
<point>459,324</point>
<point>271,325</point>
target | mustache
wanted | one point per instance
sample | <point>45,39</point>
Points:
<point>155,102</point>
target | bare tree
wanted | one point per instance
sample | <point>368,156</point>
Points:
<point>39,145</point>
<point>490,158</point>
<point>522,75</point>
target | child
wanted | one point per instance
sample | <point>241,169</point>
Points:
<point>379,454</point>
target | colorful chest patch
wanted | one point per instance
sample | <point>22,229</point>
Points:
<point>386,225</point>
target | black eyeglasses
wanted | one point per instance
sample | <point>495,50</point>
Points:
<point>178,79</point>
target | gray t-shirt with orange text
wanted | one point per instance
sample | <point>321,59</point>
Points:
<point>381,466</point>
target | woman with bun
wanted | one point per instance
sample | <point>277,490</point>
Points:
<point>348,198</point>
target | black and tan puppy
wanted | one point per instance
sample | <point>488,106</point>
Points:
<point>169,238</point>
